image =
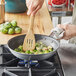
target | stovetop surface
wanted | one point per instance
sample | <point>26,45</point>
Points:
<point>12,66</point>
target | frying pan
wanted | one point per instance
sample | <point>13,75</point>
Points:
<point>18,40</point>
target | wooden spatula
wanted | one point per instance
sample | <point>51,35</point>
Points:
<point>29,41</point>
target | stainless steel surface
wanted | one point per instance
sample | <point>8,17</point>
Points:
<point>57,33</point>
<point>67,53</point>
<point>2,13</point>
<point>18,40</point>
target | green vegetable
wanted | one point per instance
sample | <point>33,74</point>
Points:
<point>50,49</point>
<point>36,53</point>
<point>27,52</point>
<point>14,23</point>
<point>40,52</point>
<point>40,48</point>
<point>7,25</point>
<point>34,50</point>
<point>4,30</point>
<point>17,50</point>
<point>18,30</point>
<point>11,31</point>
<point>21,48</point>
<point>10,28</point>
<point>46,51</point>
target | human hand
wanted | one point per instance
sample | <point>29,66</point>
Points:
<point>70,31</point>
<point>33,6</point>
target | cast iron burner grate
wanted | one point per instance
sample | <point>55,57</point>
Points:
<point>12,66</point>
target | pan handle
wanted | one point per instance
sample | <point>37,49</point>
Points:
<point>53,37</point>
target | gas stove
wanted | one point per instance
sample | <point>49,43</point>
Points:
<point>12,66</point>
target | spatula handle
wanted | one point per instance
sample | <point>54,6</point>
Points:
<point>31,22</point>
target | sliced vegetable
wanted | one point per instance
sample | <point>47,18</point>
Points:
<point>40,48</point>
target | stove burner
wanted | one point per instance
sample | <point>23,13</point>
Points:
<point>24,63</point>
<point>13,66</point>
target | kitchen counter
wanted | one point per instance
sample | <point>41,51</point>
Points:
<point>42,25</point>
<point>68,58</point>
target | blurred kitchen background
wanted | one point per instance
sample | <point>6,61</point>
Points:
<point>60,10</point>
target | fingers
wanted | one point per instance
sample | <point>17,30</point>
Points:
<point>31,8</point>
<point>63,26</point>
<point>34,12</point>
<point>65,37</point>
<point>62,37</point>
<point>27,3</point>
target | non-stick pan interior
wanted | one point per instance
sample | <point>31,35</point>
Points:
<point>18,40</point>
